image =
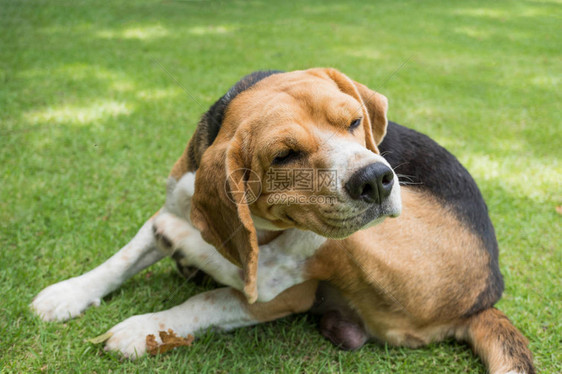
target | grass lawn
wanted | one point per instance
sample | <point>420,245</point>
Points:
<point>98,99</point>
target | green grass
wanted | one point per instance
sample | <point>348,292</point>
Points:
<point>90,124</point>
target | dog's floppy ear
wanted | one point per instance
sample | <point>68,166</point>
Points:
<point>374,103</point>
<point>223,189</point>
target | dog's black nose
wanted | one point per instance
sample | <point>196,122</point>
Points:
<point>372,183</point>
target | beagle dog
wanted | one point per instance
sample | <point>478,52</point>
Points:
<point>298,195</point>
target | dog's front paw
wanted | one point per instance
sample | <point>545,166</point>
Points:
<point>64,300</point>
<point>130,336</point>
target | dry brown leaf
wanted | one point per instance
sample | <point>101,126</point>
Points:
<point>169,341</point>
<point>559,209</point>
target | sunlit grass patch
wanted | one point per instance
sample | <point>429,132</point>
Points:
<point>90,114</point>
<point>138,32</point>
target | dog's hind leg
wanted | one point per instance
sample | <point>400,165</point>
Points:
<point>282,262</point>
<point>69,298</point>
<point>178,238</point>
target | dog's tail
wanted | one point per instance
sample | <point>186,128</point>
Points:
<point>498,343</point>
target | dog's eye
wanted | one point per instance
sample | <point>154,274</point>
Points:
<point>355,124</point>
<point>285,156</point>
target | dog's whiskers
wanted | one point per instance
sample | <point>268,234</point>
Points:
<point>409,180</point>
<point>385,153</point>
<point>402,164</point>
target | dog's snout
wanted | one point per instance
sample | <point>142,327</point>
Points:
<point>372,183</point>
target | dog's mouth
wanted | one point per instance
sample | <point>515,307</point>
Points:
<point>340,226</point>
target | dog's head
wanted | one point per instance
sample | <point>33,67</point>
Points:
<point>291,150</point>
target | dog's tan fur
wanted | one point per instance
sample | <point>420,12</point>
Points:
<point>410,279</point>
